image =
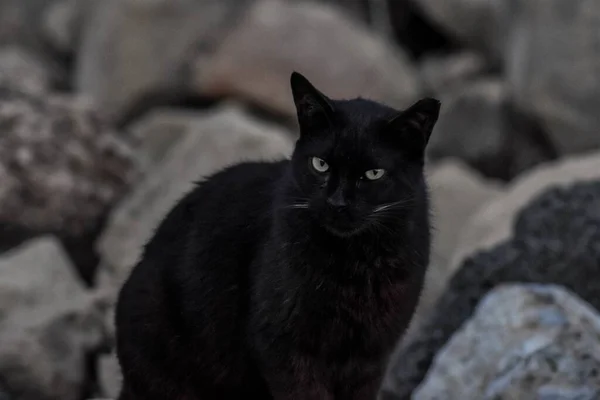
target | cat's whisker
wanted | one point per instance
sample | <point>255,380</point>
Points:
<point>299,205</point>
<point>396,204</point>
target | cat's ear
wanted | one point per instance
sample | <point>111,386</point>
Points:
<point>412,127</point>
<point>314,109</point>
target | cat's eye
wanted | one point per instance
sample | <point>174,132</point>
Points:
<point>319,164</point>
<point>374,174</point>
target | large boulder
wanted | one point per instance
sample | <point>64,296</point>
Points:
<point>478,126</point>
<point>552,61</point>
<point>523,342</point>
<point>132,50</point>
<point>63,21</point>
<point>23,69</point>
<point>341,57</point>
<point>49,324</point>
<point>477,23</point>
<point>210,142</point>
<point>443,73</point>
<point>61,167</point>
<point>553,238</point>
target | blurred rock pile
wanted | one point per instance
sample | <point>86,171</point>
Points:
<point>111,109</point>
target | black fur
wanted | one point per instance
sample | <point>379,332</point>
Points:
<point>274,280</point>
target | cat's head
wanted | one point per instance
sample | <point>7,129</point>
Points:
<point>357,163</point>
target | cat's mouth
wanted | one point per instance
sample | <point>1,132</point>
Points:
<point>343,225</point>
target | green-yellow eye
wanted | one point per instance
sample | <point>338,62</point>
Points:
<point>319,164</point>
<point>374,174</point>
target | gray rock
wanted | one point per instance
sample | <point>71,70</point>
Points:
<point>109,376</point>
<point>478,126</point>
<point>523,342</point>
<point>478,23</point>
<point>48,323</point>
<point>25,70</point>
<point>132,50</point>
<point>63,21</point>
<point>457,193</point>
<point>341,57</point>
<point>443,73</point>
<point>20,22</point>
<point>552,63</point>
<point>61,168</point>
<point>211,142</point>
<point>555,240</point>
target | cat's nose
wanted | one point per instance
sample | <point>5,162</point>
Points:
<point>337,201</point>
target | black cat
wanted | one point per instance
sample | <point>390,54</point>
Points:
<point>291,279</point>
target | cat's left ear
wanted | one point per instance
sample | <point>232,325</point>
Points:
<point>314,109</point>
<point>414,125</point>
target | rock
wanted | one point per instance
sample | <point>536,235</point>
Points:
<point>61,167</point>
<point>457,193</point>
<point>63,22</point>
<point>339,56</point>
<point>20,22</point>
<point>477,125</point>
<point>523,342</point>
<point>109,376</point>
<point>477,23</point>
<point>555,240</point>
<point>210,142</point>
<point>25,70</point>
<point>158,131</point>
<point>132,50</point>
<point>494,223</point>
<point>48,324</point>
<point>442,73</point>
<point>552,61</point>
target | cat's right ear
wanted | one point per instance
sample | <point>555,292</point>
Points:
<point>314,109</point>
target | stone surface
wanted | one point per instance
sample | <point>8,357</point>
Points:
<point>132,50</point>
<point>25,70</point>
<point>552,61</point>
<point>477,23</point>
<point>457,192</point>
<point>555,240</point>
<point>48,324</point>
<point>342,58</point>
<point>109,376</point>
<point>493,223</point>
<point>477,125</point>
<point>63,21</point>
<point>442,73</point>
<point>523,342</point>
<point>211,142</point>
<point>20,22</point>
<point>61,168</point>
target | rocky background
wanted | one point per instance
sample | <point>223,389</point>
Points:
<point>110,109</point>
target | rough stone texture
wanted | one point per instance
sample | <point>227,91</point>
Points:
<point>24,70</point>
<point>211,141</point>
<point>493,223</point>
<point>20,22</point>
<point>474,22</point>
<point>63,21</point>
<point>135,49</point>
<point>553,66</point>
<point>556,240</point>
<point>109,376</point>
<point>48,324</point>
<point>457,193</point>
<point>443,73</point>
<point>61,168</point>
<point>523,342</point>
<point>477,125</point>
<point>158,131</point>
<point>341,57</point>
